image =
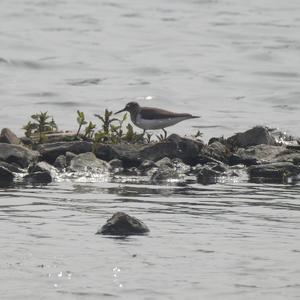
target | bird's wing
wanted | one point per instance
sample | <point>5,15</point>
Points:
<point>150,113</point>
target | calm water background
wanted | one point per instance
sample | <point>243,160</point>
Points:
<point>236,64</point>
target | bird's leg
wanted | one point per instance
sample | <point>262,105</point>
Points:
<point>165,132</point>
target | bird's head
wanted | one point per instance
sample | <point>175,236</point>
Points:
<point>131,107</point>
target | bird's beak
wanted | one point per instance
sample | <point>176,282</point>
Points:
<point>120,111</point>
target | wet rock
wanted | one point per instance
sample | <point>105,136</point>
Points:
<point>26,141</point>
<point>11,167</point>
<point>164,173</point>
<point>17,154</point>
<point>42,177</point>
<point>279,172</point>
<point>256,155</point>
<point>116,164</point>
<point>7,136</point>
<point>60,162</point>
<point>252,137</point>
<point>164,162</point>
<point>6,176</point>
<point>88,162</point>
<point>69,157</point>
<point>217,151</point>
<point>41,172</point>
<point>173,147</point>
<point>51,151</point>
<point>122,224</point>
<point>133,155</point>
<point>211,172</point>
<point>41,167</point>
<point>128,154</point>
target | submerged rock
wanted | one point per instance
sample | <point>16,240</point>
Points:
<point>6,176</point>
<point>51,151</point>
<point>123,224</point>
<point>211,172</point>
<point>88,162</point>
<point>278,172</point>
<point>60,162</point>
<point>7,136</point>
<point>38,177</point>
<point>17,154</point>
<point>252,137</point>
<point>41,172</point>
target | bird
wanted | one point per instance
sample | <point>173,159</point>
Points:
<point>153,118</point>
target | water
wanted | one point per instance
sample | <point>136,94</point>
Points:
<point>235,64</point>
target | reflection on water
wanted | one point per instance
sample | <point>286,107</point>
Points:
<point>238,240</point>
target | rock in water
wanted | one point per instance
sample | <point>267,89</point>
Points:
<point>88,162</point>
<point>6,176</point>
<point>7,136</point>
<point>51,151</point>
<point>252,137</point>
<point>123,224</point>
<point>278,172</point>
<point>17,154</point>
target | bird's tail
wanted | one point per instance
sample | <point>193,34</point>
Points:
<point>194,117</point>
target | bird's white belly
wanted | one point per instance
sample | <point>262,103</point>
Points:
<point>157,123</point>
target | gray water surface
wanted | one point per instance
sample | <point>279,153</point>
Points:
<point>232,241</point>
<point>234,63</point>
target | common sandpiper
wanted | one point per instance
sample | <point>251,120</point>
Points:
<point>153,118</point>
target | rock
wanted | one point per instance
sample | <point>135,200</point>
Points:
<point>41,167</point>
<point>60,162</point>
<point>11,167</point>
<point>41,172</point>
<point>256,155</point>
<point>38,177</point>
<point>147,167</point>
<point>217,151</point>
<point>116,164</point>
<point>69,157</point>
<point>133,155</point>
<point>173,147</point>
<point>279,172</point>
<point>123,225</point>
<point>211,172</point>
<point>127,153</point>
<point>51,151</point>
<point>88,162</point>
<point>164,173</point>
<point>17,154</point>
<point>252,137</point>
<point>7,136</point>
<point>6,176</point>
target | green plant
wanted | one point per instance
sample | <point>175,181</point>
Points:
<point>40,125</point>
<point>89,130</point>
<point>81,121</point>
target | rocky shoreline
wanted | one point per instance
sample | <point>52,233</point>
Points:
<point>258,154</point>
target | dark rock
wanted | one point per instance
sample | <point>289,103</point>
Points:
<point>38,177</point>
<point>127,153</point>
<point>69,157</point>
<point>173,147</point>
<point>147,165</point>
<point>7,136</point>
<point>116,164</point>
<point>279,172</point>
<point>133,155</point>
<point>60,162</point>
<point>256,155</point>
<point>164,173</point>
<point>11,167</point>
<point>17,154</point>
<point>41,167</point>
<point>26,141</point>
<point>252,137</point>
<point>123,225</point>
<point>51,151</point>
<point>211,172</point>
<point>6,176</point>
<point>88,162</point>
<point>217,151</point>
